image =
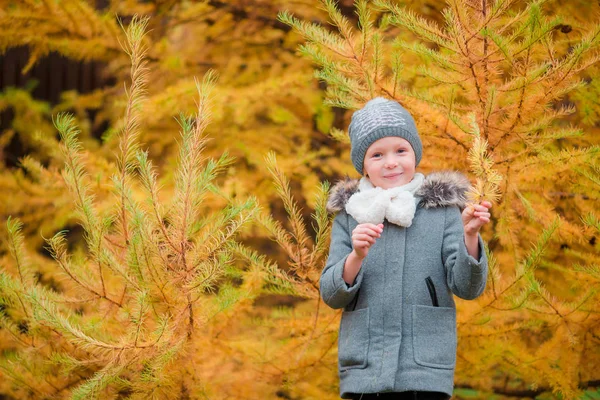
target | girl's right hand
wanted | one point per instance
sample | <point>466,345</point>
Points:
<point>364,236</point>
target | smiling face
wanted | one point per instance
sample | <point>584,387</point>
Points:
<point>390,162</point>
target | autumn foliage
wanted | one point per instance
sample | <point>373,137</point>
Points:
<point>178,255</point>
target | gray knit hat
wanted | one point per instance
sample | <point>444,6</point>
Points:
<point>380,118</point>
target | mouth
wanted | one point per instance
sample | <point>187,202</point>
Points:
<point>392,176</point>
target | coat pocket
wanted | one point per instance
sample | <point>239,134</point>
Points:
<point>353,340</point>
<point>434,336</point>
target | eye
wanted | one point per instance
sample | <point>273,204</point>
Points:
<point>376,155</point>
<point>400,151</point>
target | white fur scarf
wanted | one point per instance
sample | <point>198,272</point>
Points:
<point>372,204</point>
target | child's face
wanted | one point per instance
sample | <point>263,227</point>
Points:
<point>390,162</point>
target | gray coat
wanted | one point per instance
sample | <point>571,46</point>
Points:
<point>391,336</point>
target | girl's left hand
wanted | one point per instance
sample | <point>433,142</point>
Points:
<point>475,216</point>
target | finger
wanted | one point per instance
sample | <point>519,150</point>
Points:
<point>482,214</point>
<point>361,245</point>
<point>371,226</point>
<point>373,233</point>
<point>367,230</point>
<point>376,228</point>
<point>468,211</point>
<point>480,211</point>
<point>363,238</point>
<point>480,207</point>
<point>485,204</point>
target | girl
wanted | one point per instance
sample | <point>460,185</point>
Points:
<point>400,248</point>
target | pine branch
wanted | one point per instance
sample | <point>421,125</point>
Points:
<point>190,183</point>
<point>189,158</point>
<point>440,77</point>
<point>446,62</point>
<point>75,175</point>
<point>476,331</point>
<point>148,176</point>
<point>7,285</point>
<point>396,72</point>
<point>591,220</point>
<point>418,25</point>
<point>277,281</point>
<point>10,370</point>
<point>378,59</point>
<point>525,268</point>
<point>154,368</point>
<point>224,229</point>
<point>58,250</point>
<point>93,387</point>
<point>342,85</point>
<point>282,186</point>
<point>207,272</point>
<point>46,313</point>
<point>502,43</point>
<point>323,220</point>
<point>17,250</point>
<point>488,179</point>
<point>339,135</point>
<point>534,257</point>
<point>146,241</point>
<point>365,26</point>
<point>108,258</point>
<point>278,232</point>
<point>138,314</point>
<point>324,61</point>
<point>128,138</point>
<point>135,254</point>
<point>316,34</point>
<point>342,22</point>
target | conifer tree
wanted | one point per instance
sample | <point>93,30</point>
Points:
<point>267,100</point>
<point>492,85</point>
<point>131,303</point>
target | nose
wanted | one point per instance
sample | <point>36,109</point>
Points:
<point>390,162</point>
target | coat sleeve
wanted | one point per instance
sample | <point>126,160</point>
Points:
<point>465,275</point>
<point>336,293</point>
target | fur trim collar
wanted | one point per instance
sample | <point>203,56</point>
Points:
<point>440,189</point>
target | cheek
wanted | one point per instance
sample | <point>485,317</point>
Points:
<point>410,163</point>
<point>367,167</point>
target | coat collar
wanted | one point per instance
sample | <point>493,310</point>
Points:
<point>440,189</point>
